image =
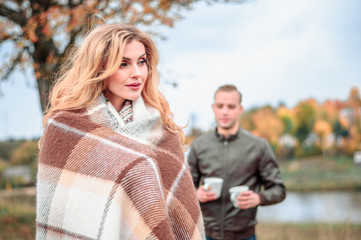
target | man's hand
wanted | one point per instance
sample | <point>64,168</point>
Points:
<point>204,196</point>
<point>248,199</point>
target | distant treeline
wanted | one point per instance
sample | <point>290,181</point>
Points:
<point>17,156</point>
<point>309,128</point>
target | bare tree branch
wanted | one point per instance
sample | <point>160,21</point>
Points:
<point>12,15</point>
<point>13,63</point>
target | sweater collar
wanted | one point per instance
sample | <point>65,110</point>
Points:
<point>140,110</point>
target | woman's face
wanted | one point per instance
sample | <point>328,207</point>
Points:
<point>128,81</point>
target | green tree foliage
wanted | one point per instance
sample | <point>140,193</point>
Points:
<point>7,147</point>
<point>287,124</point>
<point>17,152</point>
<point>305,117</point>
<point>40,32</point>
<point>25,154</point>
<point>339,130</point>
<point>4,151</point>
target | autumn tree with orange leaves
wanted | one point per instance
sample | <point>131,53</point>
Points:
<point>39,32</point>
<point>267,124</point>
<point>323,129</point>
<point>351,120</point>
<point>335,123</point>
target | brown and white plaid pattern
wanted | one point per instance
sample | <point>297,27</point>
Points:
<point>95,183</point>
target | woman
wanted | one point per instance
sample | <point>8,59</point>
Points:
<point>111,164</point>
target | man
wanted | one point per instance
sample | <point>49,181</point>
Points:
<point>239,158</point>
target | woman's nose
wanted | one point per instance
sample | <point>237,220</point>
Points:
<point>135,71</point>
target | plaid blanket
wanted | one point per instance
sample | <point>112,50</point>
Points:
<point>97,182</point>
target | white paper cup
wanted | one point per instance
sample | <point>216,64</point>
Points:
<point>234,192</point>
<point>213,184</point>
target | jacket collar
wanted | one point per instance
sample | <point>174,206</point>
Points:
<point>222,138</point>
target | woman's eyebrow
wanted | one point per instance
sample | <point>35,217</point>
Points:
<point>126,58</point>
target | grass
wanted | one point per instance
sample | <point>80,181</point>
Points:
<point>17,216</point>
<point>319,231</point>
<point>15,227</point>
<point>17,210</point>
<point>321,174</point>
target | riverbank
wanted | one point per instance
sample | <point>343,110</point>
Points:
<point>23,227</point>
<point>267,231</point>
<point>321,174</point>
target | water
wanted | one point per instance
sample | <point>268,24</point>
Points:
<point>328,207</point>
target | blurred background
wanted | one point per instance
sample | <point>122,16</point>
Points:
<point>297,64</point>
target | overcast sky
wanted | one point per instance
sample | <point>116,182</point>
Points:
<point>272,50</point>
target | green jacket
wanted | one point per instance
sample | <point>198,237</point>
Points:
<point>242,159</point>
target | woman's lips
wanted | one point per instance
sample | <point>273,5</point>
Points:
<point>134,86</point>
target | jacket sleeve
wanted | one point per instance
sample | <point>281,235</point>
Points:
<point>274,189</point>
<point>193,166</point>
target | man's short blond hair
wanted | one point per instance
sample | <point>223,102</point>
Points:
<point>229,88</point>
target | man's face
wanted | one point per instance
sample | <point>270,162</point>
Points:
<point>227,109</point>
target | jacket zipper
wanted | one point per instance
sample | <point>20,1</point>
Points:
<point>224,172</point>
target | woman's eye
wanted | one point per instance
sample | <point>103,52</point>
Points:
<point>143,61</point>
<point>123,64</point>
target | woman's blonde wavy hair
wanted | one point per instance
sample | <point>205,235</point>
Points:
<point>82,76</point>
